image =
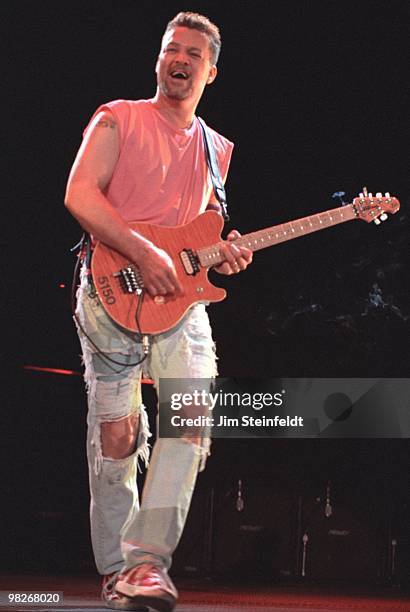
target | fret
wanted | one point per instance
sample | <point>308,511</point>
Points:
<point>255,241</point>
<point>196,247</point>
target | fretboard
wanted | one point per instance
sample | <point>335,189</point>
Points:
<point>261,239</point>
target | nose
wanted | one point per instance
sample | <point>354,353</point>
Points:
<point>181,57</point>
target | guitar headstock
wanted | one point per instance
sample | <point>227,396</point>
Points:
<point>370,208</point>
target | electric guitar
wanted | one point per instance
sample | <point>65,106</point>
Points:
<point>194,249</point>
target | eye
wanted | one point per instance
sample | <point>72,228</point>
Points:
<point>195,54</point>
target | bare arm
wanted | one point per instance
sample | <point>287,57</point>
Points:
<point>91,173</point>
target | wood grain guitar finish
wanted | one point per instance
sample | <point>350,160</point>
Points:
<point>194,248</point>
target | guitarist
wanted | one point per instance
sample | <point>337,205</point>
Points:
<point>144,160</point>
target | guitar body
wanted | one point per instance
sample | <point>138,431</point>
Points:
<point>194,248</point>
<point>158,314</point>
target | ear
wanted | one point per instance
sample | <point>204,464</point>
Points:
<point>212,75</point>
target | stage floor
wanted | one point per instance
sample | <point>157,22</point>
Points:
<point>81,593</point>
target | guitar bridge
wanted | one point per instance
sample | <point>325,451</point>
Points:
<point>190,262</point>
<point>130,279</point>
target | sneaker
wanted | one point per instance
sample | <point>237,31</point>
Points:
<point>148,585</point>
<point>115,601</point>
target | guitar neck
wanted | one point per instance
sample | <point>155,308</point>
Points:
<point>264,238</point>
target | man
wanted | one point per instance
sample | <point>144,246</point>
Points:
<point>144,161</point>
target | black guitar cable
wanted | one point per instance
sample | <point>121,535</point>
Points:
<point>84,247</point>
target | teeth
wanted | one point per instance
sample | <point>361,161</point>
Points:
<point>179,73</point>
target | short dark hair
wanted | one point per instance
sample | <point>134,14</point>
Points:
<point>195,21</point>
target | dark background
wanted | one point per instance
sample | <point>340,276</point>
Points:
<point>313,93</point>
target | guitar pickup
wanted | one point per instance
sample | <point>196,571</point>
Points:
<point>190,262</point>
<point>130,279</point>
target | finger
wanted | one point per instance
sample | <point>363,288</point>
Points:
<point>241,264</point>
<point>226,254</point>
<point>161,290</point>
<point>164,280</point>
<point>230,252</point>
<point>233,235</point>
<point>237,266</point>
<point>151,289</point>
<point>225,268</point>
<point>176,284</point>
<point>247,254</point>
<point>160,285</point>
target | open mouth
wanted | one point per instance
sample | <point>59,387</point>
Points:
<point>179,75</point>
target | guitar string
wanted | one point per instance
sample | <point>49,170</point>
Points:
<point>101,353</point>
<point>207,252</point>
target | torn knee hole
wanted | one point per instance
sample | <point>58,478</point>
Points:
<point>119,438</point>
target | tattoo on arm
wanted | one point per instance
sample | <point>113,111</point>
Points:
<point>106,123</point>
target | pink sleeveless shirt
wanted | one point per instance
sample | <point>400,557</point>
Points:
<point>161,175</point>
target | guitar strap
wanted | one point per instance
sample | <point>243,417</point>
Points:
<point>214,171</point>
<point>84,246</point>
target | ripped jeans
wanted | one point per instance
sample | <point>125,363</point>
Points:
<point>123,533</point>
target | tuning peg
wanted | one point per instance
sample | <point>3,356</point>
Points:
<point>379,194</point>
<point>387,194</point>
<point>383,217</point>
<point>370,195</point>
<point>376,221</point>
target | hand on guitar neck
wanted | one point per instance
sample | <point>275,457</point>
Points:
<point>237,257</point>
<point>160,277</point>
<point>186,253</point>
